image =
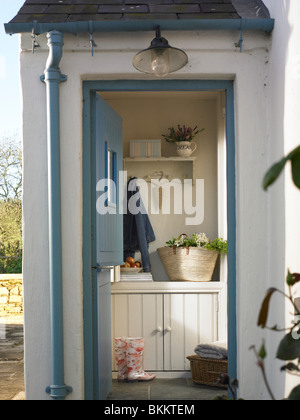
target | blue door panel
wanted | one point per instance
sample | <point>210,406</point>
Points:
<point>109,232</point>
<point>104,335</point>
<point>109,151</point>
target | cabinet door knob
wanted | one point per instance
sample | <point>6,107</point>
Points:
<point>159,329</point>
<point>168,329</point>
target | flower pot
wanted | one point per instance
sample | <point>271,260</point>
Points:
<point>185,148</point>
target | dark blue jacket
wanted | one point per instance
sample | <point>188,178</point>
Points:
<point>138,232</point>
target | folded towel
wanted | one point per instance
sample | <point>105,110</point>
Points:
<point>217,350</point>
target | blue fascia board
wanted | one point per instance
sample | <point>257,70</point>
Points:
<point>266,25</point>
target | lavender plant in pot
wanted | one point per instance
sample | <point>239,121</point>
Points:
<point>182,136</point>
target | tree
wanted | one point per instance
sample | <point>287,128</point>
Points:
<point>10,206</point>
<point>11,236</point>
<point>10,169</point>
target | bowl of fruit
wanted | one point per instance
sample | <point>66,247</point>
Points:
<point>131,266</point>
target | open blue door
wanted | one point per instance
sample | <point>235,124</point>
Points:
<point>109,231</point>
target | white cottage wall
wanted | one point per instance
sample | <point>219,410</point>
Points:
<point>212,56</point>
<point>283,104</point>
<point>35,229</point>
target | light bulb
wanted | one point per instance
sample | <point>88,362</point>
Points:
<point>160,62</point>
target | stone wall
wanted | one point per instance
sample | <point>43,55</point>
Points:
<point>11,294</point>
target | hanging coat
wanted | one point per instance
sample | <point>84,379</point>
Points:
<point>138,232</point>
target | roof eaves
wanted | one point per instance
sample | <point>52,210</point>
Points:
<point>251,9</point>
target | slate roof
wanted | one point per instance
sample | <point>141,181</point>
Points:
<point>54,11</point>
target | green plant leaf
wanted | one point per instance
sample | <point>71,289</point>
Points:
<point>295,394</point>
<point>291,367</point>
<point>263,315</point>
<point>296,168</point>
<point>289,348</point>
<point>262,352</point>
<point>273,173</point>
<point>293,153</point>
<point>290,279</point>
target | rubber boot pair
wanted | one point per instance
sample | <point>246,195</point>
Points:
<point>129,358</point>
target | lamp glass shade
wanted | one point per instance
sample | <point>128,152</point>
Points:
<point>160,61</point>
<point>160,58</point>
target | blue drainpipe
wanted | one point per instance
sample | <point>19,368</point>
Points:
<point>52,78</point>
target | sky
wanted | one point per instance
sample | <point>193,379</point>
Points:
<point>10,96</point>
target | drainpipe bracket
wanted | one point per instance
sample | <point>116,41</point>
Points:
<point>59,392</point>
<point>240,43</point>
<point>62,78</point>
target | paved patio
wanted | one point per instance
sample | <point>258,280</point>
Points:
<point>11,358</point>
<point>12,374</point>
<point>163,389</point>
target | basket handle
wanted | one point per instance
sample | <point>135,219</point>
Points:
<point>187,247</point>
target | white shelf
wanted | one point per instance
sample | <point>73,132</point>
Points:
<point>184,166</point>
<point>161,159</point>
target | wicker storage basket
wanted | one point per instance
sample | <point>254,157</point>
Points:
<point>188,264</point>
<point>207,371</point>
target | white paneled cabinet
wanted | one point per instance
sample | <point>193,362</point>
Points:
<point>171,322</point>
<point>189,319</point>
<point>140,315</point>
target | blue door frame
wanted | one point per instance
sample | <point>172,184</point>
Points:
<point>89,207</point>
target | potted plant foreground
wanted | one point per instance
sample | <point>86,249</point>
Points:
<point>182,137</point>
<point>192,259</point>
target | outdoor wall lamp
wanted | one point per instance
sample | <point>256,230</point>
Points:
<point>160,58</point>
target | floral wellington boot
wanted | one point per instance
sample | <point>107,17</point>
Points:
<point>121,359</point>
<point>135,350</point>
